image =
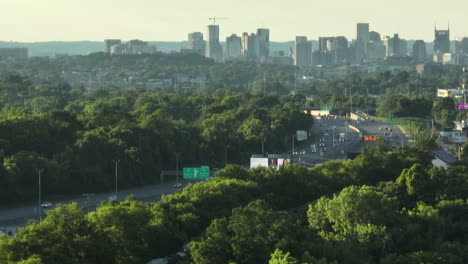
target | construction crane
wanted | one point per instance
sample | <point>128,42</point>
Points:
<point>214,19</point>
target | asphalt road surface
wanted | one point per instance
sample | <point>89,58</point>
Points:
<point>20,216</point>
<point>328,139</point>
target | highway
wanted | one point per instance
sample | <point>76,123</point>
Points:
<point>18,217</point>
<point>329,129</point>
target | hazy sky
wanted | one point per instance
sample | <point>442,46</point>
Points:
<point>171,20</point>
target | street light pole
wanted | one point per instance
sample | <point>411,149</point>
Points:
<point>225,155</point>
<point>87,199</point>
<point>116,173</point>
<point>39,171</point>
<point>177,167</point>
<point>293,137</point>
<point>263,147</point>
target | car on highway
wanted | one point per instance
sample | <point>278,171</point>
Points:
<point>322,145</point>
<point>112,197</point>
<point>314,150</point>
<point>46,205</point>
<point>178,185</point>
<point>322,140</point>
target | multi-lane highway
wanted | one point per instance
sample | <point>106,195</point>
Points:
<point>338,136</point>
<point>20,216</point>
<point>327,145</point>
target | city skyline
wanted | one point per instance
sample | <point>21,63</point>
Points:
<point>30,21</point>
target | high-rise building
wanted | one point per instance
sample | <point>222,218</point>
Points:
<point>303,52</point>
<point>419,51</point>
<point>263,35</point>
<point>363,32</point>
<point>213,48</point>
<point>250,46</point>
<point>111,42</point>
<point>332,50</point>
<point>375,50</point>
<point>392,46</point>
<point>374,36</point>
<point>196,43</point>
<point>233,46</point>
<point>403,48</point>
<point>464,46</point>
<point>442,41</point>
<point>362,39</point>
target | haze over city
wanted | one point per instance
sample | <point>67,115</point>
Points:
<point>58,20</point>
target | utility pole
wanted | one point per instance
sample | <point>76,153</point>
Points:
<point>351,99</point>
<point>293,137</point>
<point>263,147</point>
<point>87,199</point>
<point>225,154</point>
<point>177,167</point>
<point>116,173</point>
<point>39,171</point>
<point>264,84</point>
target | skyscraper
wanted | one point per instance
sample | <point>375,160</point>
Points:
<point>233,46</point>
<point>363,32</point>
<point>464,46</point>
<point>442,41</point>
<point>196,43</point>
<point>213,48</point>
<point>362,39</point>
<point>419,51</point>
<point>374,36</point>
<point>250,46</point>
<point>263,35</point>
<point>392,46</point>
<point>303,52</point>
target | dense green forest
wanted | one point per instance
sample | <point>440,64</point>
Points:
<point>383,207</point>
<point>76,138</point>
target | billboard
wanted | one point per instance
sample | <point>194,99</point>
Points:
<point>453,137</point>
<point>267,162</point>
<point>301,135</point>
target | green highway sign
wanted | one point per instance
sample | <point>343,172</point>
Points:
<point>197,173</point>
<point>326,108</point>
<point>393,120</point>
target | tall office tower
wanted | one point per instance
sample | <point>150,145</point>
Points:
<point>403,48</point>
<point>303,52</point>
<point>196,43</point>
<point>442,41</point>
<point>250,46</point>
<point>233,46</point>
<point>324,43</point>
<point>263,35</point>
<point>374,36</point>
<point>419,51</point>
<point>111,42</point>
<point>464,46</point>
<point>375,50</point>
<point>362,39</point>
<point>363,32</point>
<point>392,46</point>
<point>213,48</point>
